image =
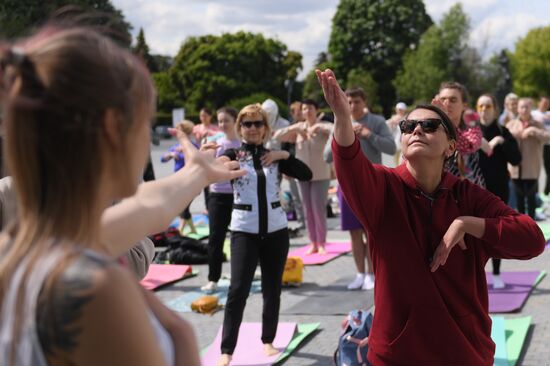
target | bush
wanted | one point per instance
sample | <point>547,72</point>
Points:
<point>239,103</point>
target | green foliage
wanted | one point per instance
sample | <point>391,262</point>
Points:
<point>312,89</point>
<point>444,55</point>
<point>211,70</point>
<point>18,18</point>
<point>141,49</point>
<point>168,96</point>
<point>531,63</point>
<point>259,98</point>
<point>373,35</point>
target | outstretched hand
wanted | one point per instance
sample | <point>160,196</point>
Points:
<point>453,236</point>
<point>334,95</point>
<point>204,163</point>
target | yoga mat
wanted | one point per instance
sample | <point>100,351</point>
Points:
<point>249,350</point>
<point>227,249</point>
<point>202,233</point>
<point>323,300</point>
<point>545,228</point>
<point>513,296</point>
<point>516,332</point>
<point>498,334</point>
<point>183,302</point>
<point>333,250</point>
<point>302,332</point>
<point>200,220</point>
<point>163,274</point>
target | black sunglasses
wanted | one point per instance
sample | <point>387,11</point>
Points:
<point>249,124</point>
<point>429,125</point>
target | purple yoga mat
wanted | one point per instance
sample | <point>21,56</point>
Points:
<point>249,350</point>
<point>333,250</point>
<point>513,296</point>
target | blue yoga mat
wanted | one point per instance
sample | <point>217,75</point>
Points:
<point>182,303</point>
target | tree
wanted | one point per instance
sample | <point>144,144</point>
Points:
<point>530,65</point>
<point>18,18</point>
<point>142,50</point>
<point>212,70</point>
<point>373,35</point>
<point>442,55</point>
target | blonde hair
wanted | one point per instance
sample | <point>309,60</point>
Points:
<point>186,126</point>
<point>56,92</point>
<point>251,110</point>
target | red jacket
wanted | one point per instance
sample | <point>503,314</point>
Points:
<point>425,318</point>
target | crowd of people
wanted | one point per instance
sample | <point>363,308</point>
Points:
<point>76,112</point>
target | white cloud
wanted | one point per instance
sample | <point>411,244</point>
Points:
<point>304,25</point>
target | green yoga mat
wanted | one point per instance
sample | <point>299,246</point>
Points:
<point>227,249</point>
<point>515,331</point>
<point>302,331</point>
<point>545,227</point>
<point>498,334</point>
<point>202,232</point>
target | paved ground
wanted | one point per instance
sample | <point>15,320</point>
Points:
<point>318,349</point>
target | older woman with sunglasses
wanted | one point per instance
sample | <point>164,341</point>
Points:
<point>499,149</point>
<point>431,299</point>
<point>259,228</point>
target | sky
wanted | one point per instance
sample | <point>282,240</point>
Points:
<point>304,25</point>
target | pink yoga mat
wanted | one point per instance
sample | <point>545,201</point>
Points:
<point>249,350</point>
<point>161,274</point>
<point>333,250</point>
<point>513,296</point>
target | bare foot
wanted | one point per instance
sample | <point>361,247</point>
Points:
<point>322,249</point>
<point>224,360</point>
<point>269,350</point>
<point>312,249</point>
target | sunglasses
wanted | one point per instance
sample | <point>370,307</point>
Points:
<point>429,125</point>
<point>249,124</point>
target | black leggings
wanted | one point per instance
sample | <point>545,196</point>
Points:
<point>526,188</point>
<point>220,206</point>
<point>271,249</point>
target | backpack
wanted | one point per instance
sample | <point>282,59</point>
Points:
<point>357,328</point>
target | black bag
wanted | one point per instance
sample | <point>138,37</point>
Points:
<point>183,250</point>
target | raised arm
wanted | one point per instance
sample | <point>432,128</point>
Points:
<point>338,102</point>
<point>156,203</point>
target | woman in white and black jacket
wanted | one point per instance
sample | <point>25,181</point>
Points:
<point>259,228</point>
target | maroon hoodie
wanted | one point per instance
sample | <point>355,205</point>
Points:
<point>425,318</point>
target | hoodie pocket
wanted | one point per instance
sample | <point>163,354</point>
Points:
<point>431,334</point>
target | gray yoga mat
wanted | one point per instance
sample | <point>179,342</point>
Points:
<point>334,299</point>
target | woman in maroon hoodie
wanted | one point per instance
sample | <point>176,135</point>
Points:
<point>431,298</point>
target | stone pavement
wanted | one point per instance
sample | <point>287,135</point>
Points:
<point>319,348</point>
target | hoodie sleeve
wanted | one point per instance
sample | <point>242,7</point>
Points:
<point>363,184</point>
<point>295,168</point>
<point>508,234</point>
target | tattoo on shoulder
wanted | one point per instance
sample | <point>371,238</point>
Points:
<point>60,308</point>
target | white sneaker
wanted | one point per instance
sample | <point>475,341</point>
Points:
<point>368,284</point>
<point>357,282</point>
<point>498,283</point>
<point>210,287</point>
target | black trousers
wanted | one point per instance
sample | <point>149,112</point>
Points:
<point>501,190</point>
<point>219,206</point>
<point>526,188</point>
<point>271,249</point>
<point>546,156</point>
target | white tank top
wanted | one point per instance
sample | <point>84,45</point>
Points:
<point>28,351</point>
